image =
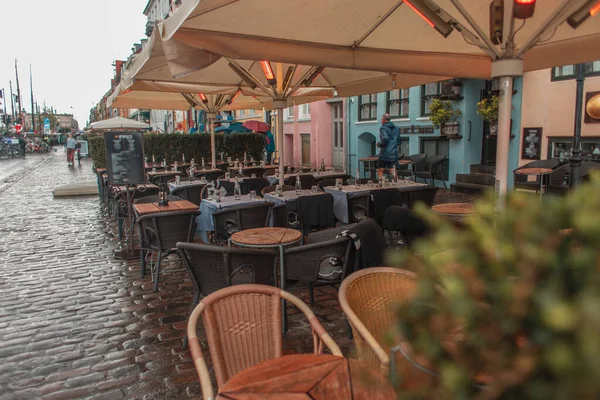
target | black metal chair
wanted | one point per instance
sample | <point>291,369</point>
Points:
<point>258,171</point>
<point>191,192</point>
<point>160,233</point>
<point>315,212</point>
<point>425,195</point>
<point>432,168</point>
<point>332,177</point>
<point>121,206</point>
<point>307,181</point>
<point>280,215</point>
<point>256,184</point>
<point>162,179</point>
<point>382,200</point>
<point>404,222</point>
<point>322,263</point>
<point>268,171</point>
<point>417,161</point>
<point>237,218</point>
<point>228,185</point>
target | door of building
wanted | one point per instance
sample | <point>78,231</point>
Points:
<point>305,139</point>
<point>337,135</point>
<point>488,150</point>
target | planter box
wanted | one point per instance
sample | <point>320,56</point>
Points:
<point>450,129</point>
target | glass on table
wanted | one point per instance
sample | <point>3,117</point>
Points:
<point>253,194</point>
<point>227,175</point>
<point>178,180</point>
<point>278,191</point>
<point>253,176</point>
<point>314,189</point>
<point>370,183</point>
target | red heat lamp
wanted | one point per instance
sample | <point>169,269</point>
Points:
<point>268,71</point>
<point>203,98</point>
<point>589,9</point>
<point>308,81</point>
<point>430,16</point>
<point>235,96</point>
<point>524,9</point>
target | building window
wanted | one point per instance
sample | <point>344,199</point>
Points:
<point>437,146</point>
<point>403,147</point>
<point>570,71</point>
<point>304,111</point>
<point>428,93</point>
<point>397,103</point>
<point>367,107</point>
<point>288,114</point>
<point>560,147</point>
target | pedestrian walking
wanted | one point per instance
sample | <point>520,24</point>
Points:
<point>389,138</point>
<point>270,147</point>
<point>71,145</point>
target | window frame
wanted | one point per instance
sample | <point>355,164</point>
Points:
<point>427,97</point>
<point>304,112</point>
<point>370,104</point>
<point>288,114</point>
<point>558,78</point>
<point>399,100</point>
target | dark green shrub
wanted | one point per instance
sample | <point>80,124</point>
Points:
<point>197,146</point>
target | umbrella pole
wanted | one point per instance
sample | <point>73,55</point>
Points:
<point>213,148</point>
<point>502,150</point>
<point>280,105</point>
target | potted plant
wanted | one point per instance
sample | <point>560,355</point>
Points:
<point>444,116</point>
<point>507,306</point>
<point>488,109</point>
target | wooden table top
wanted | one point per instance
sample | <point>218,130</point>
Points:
<point>152,208</point>
<point>454,209</point>
<point>163,173</point>
<point>369,159</point>
<point>266,236</point>
<point>533,171</point>
<point>404,162</point>
<point>308,376</point>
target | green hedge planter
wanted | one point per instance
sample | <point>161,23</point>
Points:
<point>172,146</point>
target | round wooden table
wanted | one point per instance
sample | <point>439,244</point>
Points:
<point>542,172</point>
<point>454,209</point>
<point>308,376</point>
<point>263,238</point>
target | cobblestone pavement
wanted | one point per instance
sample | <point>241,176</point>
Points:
<point>75,322</point>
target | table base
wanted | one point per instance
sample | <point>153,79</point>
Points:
<point>127,254</point>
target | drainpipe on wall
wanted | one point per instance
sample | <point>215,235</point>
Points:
<point>348,164</point>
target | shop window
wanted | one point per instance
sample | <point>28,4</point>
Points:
<point>367,107</point>
<point>403,146</point>
<point>570,71</point>
<point>397,103</point>
<point>437,146</point>
<point>560,147</point>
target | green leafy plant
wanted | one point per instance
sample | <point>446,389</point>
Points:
<point>488,108</point>
<point>197,146</point>
<point>509,301</point>
<point>442,112</point>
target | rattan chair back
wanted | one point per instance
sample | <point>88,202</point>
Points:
<point>271,189</point>
<point>242,324</point>
<point>305,261</point>
<point>162,231</point>
<point>256,184</point>
<point>190,192</point>
<point>307,181</point>
<point>162,179</point>
<point>229,220</point>
<point>210,176</point>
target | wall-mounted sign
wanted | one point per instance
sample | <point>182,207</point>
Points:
<point>125,158</point>
<point>592,108</point>
<point>532,143</point>
<point>415,129</point>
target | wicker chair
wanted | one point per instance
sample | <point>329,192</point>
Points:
<point>369,298</point>
<point>160,233</point>
<point>243,328</point>
<point>315,212</point>
<point>162,179</point>
<point>431,169</point>
<point>359,207</point>
<point>307,181</point>
<point>190,192</point>
<point>122,208</point>
<point>305,264</point>
<point>228,185</point>
<point>425,195</point>
<point>522,181</point>
<point>237,218</point>
<point>417,160</point>
<point>209,176</point>
<point>258,171</point>
<point>271,189</point>
<point>332,177</point>
<point>256,184</point>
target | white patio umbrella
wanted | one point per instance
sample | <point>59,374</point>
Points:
<point>117,123</point>
<point>185,68</point>
<point>433,37</point>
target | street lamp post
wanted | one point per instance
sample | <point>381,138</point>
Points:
<point>576,158</point>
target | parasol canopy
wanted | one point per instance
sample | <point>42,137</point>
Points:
<point>257,126</point>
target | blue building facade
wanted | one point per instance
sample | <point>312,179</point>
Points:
<point>409,109</point>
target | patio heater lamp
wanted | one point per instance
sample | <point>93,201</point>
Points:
<point>430,16</point>
<point>203,98</point>
<point>232,99</point>
<point>308,81</point>
<point>288,78</point>
<point>243,76</point>
<point>524,9</point>
<point>589,9</point>
<point>268,71</point>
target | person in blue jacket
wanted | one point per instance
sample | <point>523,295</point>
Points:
<point>389,138</point>
<point>270,146</point>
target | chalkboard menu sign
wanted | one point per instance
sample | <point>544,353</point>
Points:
<point>125,158</point>
<point>532,143</point>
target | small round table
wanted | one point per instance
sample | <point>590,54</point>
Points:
<point>310,376</point>
<point>454,209</point>
<point>542,172</point>
<point>262,238</point>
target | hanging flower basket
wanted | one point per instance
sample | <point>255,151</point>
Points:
<point>450,129</point>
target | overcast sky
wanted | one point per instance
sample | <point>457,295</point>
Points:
<point>70,44</point>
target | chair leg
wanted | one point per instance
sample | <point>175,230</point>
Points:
<point>311,292</point>
<point>143,262</point>
<point>194,304</point>
<point>157,272</point>
<point>120,228</point>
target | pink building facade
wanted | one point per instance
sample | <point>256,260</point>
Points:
<point>315,132</point>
